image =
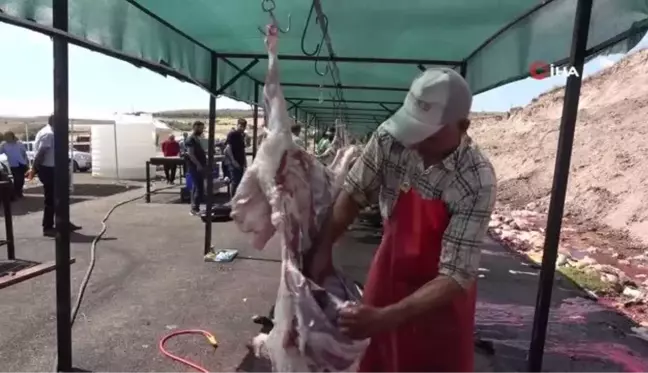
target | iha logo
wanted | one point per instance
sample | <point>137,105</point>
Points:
<point>541,70</point>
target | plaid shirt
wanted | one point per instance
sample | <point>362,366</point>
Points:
<point>465,181</point>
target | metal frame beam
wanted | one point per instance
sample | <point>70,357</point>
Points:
<point>329,86</point>
<point>577,57</point>
<point>380,109</point>
<point>295,105</point>
<point>332,114</point>
<point>395,61</point>
<point>347,101</point>
<point>236,77</point>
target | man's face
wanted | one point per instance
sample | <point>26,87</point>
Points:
<point>199,129</point>
<point>242,127</point>
<point>442,142</point>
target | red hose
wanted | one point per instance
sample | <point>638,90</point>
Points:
<point>210,338</point>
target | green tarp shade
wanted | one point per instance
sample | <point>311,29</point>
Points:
<point>447,30</point>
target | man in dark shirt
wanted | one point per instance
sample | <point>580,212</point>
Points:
<point>196,162</point>
<point>235,154</point>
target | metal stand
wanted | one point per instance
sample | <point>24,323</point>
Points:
<point>209,196</point>
<point>62,189</point>
<point>5,193</point>
<point>148,182</point>
<point>559,189</point>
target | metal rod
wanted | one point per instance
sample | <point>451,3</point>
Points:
<point>8,218</point>
<point>236,77</point>
<point>346,101</point>
<point>463,69</point>
<point>148,182</point>
<point>255,121</point>
<point>369,88</point>
<point>295,105</point>
<point>380,110</point>
<point>291,57</point>
<point>390,111</point>
<point>305,128</point>
<point>209,173</point>
<point>323,114</point>
<point>559,188</point>
<point>61,130</point>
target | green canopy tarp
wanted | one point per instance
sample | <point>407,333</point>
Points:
<point>495,40</point>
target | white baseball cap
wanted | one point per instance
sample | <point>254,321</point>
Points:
<point>437,97</point>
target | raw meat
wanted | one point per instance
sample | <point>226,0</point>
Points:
<point>286,191</point>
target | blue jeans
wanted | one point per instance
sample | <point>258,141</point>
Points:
<point>235,174</point>
<point>197,189</point>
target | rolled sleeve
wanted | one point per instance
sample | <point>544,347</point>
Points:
<point>462,240</point>
<point>363,180</point>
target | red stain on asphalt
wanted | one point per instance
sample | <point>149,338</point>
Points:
<point>608,352</point>
<point>571,311</point>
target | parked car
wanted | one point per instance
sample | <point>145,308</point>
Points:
<point>82,161</point>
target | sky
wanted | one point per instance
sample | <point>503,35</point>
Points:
<point>101,86</point>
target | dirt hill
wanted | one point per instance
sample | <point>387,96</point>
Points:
<point>608,182</point>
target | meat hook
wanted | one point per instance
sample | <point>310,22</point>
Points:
<point>269,6</point>
<point>324,20</point>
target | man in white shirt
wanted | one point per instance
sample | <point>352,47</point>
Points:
<point>43,166</point>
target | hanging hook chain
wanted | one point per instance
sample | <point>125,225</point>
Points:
<point>268,6</point>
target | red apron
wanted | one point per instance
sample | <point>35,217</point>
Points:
<point>408,258</point>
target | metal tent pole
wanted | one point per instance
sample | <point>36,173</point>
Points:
<point>209,193</point>
<point>559,189</point>
<point>255,121</point>
<point>305,130</point>
<point>61,189</point>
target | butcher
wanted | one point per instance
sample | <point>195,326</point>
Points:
<point>436,190</point>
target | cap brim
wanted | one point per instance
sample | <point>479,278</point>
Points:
<point>409,130</point>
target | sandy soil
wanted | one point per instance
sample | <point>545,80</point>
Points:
<point>608,183</point>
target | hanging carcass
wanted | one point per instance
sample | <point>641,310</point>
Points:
<point>287,192</point>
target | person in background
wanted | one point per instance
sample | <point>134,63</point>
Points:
<point>16,153</point>
<point>196,164</point>
<point>235,157</point>
<point>170,148</point>
<point>325,142</point>
<point>296,130</point>
<point>43,166</point>
<point>183,148</point>
<point>436,191</point>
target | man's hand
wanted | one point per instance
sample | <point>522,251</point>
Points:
<point>29,175</point>
<point>319,264</point>
<point>362,321</point>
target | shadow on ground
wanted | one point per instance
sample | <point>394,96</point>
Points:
<point>90,190</point>
<point>33,199</point>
